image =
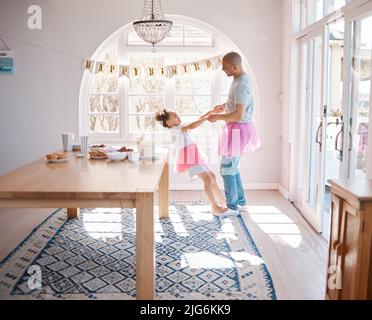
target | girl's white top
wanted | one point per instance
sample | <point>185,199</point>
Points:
<point>180,139</point>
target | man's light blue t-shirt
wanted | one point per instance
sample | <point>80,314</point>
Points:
<point>241,93</point>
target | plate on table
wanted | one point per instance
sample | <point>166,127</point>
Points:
<point>97,154</point>
<point>98,157</point>
<point>97,146</point>
<point>102,147</point>
<point>58,160</point>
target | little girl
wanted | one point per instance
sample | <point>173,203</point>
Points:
<point>190,158</point>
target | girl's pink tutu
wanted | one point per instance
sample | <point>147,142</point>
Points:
<point>189,156</point>
<point>238,138</point>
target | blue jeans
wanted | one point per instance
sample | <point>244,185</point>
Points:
<point>234,191</point>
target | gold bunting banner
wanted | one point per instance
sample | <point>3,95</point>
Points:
<point>99,66</point>
<point>112,68</point>
<point>167,71</point>
<point>88,65</point>
<point>123,71</point>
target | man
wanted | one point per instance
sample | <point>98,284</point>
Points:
<point>238,135</point>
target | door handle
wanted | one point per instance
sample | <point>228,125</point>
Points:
<point>340,150</point>
<point>351,141</point>
<point>317,140</point>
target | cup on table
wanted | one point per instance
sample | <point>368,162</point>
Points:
<point>84,144</point>
<point>133,156</point>
<point>68,141</point>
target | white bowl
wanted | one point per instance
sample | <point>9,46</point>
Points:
<point>106,148</point>
<point>133,156</point>
<point>116,156</point>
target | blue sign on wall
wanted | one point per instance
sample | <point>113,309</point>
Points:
<point>6,62</point>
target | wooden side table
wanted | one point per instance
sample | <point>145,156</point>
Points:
<point>350,246</point>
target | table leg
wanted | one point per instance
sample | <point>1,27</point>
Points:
<point>73,213</point>
<point>164,193</point>
<point>145,246</point>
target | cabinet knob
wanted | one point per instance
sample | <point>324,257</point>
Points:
<point>335,244</point>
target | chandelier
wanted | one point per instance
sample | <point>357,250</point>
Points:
<point>152,27</point>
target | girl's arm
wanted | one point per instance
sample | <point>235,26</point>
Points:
<point>234,116</point>
<point>194,124</point>
<point>217,109</point>
<point>203,118</point>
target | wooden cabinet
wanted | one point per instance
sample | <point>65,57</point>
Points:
<point>350,246</point>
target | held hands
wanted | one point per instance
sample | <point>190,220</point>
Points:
<point>213,117</point>
<point>219,109</point>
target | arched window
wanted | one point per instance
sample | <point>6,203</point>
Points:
<point>113,108</point>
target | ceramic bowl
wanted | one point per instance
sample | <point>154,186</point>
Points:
<point>116,156</point>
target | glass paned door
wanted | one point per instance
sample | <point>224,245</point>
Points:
<point>312,133</point>
<point>335,132</point>
<point>334,126</point>
<point>315,120</point>
<point>360,91</point>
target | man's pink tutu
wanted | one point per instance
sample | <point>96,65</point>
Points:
<point>237,138</point>
<point>189,156</point>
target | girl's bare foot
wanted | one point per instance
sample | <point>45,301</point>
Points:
<point>218,210</point>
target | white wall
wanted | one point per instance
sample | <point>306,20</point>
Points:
<point>285,141</point>
<point>40,100</point>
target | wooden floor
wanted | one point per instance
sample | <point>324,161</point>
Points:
<point>295,254</point>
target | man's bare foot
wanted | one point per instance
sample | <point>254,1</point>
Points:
<point>218,210</point>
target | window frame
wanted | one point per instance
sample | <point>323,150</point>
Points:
<point>221,44</point>
<point>169,92</point>
<point>307,13</point>
<point>123,93</point>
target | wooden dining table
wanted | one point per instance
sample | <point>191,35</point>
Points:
<point>87,183</point>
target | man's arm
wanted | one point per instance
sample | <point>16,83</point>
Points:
<point>234,116</point>
<point>217,109</point>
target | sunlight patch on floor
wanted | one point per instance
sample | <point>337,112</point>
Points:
<point>263,209</point>
<point>103,223</point>
<point>246,257</point>
<point>200,212</point>
<point>227,231</point>
<point>277,225</point>
<point>270,218</point>
<point>177,223</point>
<point>206,260</point>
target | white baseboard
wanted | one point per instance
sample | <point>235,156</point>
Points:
<point>283,191</point>
<point>248,186</point>
<point>261,186</point>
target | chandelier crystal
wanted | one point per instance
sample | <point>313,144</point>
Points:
<point>152,27</point>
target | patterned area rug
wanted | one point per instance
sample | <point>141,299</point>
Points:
<point>198,257</point>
